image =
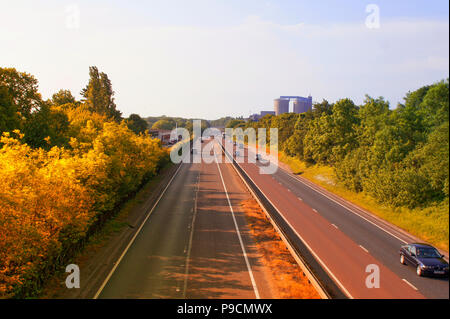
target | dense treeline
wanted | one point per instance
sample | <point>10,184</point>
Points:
<point>400,157</point>
<point>170,123</point>
<point>64,165</point>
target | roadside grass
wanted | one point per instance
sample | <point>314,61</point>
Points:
<point>289,280</point>
<point>430,223</point>
<point>100,238</point>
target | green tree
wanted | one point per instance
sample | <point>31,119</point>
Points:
<point>99,94</point>
<point>168,124</point>
<point>234,123</point>
<point>23,89</point>
<point>46,128</point>
<point>137,124</point>
<point>63,97</point>
<point>9,118</point>
<point>433,160</point>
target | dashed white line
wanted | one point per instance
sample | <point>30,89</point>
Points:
<point>334,226</point>
<point>346,207</point>
<point>300,199</point>
<point>255,288</point>
<point>315,210</point>
<point>410,284</point>
<point>191,228</point>
<point>364,249</point>
<point>306,244</point>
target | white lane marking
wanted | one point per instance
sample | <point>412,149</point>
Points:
<point>300,199</point>
<point>289,190</point>
<point>301,238</point>
<point>334,226</point>
<point>364,249</point>
<point>255,289</point>
<point>410,284</point>
<point>188,256</point>
<point>315,210</point>
<point>135,235</point>
<point>346,207</point>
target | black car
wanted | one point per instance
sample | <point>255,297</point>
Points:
<point>427,259</point>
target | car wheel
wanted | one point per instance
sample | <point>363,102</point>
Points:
<point>402,259</point>
<point>419,271</point>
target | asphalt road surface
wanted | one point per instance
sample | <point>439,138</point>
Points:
<point>344,238</point>
<point>195,244</point>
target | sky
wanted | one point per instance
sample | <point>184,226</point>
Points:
<point>208,59</point>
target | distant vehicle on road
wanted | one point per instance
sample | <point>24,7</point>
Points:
<point>427,259</point>
<point>257,157</point>
<point>236,153</point>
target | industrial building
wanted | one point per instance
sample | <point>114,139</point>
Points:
<point>281,106</point>
<point>300,104</point>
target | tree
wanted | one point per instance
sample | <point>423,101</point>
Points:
<point>46,128</point>
<point>23,89</point>
<point>99,94</point>
<point>234,123</point>
<point>164,125</point>
<point>434,106</point>
<point>137,124</point>
<point>322,108</point>
<point>294,146</point>
<point>285,124</point>
<point>63,97</point>
<point>433,158</point>
<point>9,118</point>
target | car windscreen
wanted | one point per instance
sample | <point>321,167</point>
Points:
<point>427,253</point>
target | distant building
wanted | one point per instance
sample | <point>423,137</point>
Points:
<point>264,113</point>
<point>163,135</point>
<point>256,117</point>
<point>281,106</point>
<point>300,104</point>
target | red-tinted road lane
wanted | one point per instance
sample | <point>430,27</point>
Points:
<point>344,260</point>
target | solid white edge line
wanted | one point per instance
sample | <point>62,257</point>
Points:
<point>346,207</point>
<point>301,264</point>
<point>255,288</point>
<point>99,291</point>
<point>410,284</point>
<point>306,244</point>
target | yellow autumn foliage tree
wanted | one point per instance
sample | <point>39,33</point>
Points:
<point>49,199</point>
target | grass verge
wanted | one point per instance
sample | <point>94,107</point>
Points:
<point>289,279</point>
<point>430,223</point>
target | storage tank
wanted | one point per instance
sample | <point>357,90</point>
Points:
<point>302,105</point>
<point>281,106</point>
<point>298,106</point>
